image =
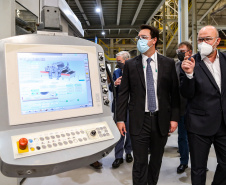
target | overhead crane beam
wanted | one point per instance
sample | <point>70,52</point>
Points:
<point>155,12</point>
<point>101,12</point>
<point>137,12</point>
<point>119,11</point>
<point>214,4</point>
<point>82,12</point>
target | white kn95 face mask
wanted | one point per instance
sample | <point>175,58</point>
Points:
<point>205,49</point>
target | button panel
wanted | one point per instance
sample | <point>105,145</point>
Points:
<point>63,138</point>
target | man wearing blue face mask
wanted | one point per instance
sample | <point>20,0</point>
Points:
<point>149,87</point>
<point>203,83</point>
<point>124,143</point>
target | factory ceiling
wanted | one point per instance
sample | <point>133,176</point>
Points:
<point>122,18</point>
<point>117,18</point>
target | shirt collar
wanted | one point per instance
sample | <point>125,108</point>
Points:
<point>153,57</point>
<point>206,59</point>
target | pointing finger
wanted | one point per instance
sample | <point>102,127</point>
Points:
<point>185,58</point>
<point>192,60</point>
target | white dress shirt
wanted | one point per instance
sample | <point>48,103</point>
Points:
<point>214,68</point>
<point>154,68</point>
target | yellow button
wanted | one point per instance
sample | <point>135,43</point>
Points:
<point>32,149</point>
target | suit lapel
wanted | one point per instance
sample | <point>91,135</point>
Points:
<point>223,71</point>
<point>208,73</point>
<point>140,69</point>
<point>160,70</point>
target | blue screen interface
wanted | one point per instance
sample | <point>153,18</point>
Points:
<point>53,82</point>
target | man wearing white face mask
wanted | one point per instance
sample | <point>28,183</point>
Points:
<point>150,86</point>
<point>203,83</point>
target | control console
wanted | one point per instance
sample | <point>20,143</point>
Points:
<point>58,139</point>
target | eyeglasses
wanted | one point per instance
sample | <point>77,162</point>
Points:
<point>142,37</point>
<point>181,51</point>
<point>206,39</point>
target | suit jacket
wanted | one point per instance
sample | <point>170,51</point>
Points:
<point>133,89</point>
<point>116,74</point>
<point>206,103</point>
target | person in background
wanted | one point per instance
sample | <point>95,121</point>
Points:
<point>203,83</point>
<point>124,143</point>
<point>149,87</point>
<point>184,49</point>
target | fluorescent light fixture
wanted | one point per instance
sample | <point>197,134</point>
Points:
<point>98,10</point>
<point>103,33</point>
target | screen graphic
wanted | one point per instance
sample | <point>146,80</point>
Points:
<point>53,81</point>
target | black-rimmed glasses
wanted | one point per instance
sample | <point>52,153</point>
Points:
<point>206,39</point>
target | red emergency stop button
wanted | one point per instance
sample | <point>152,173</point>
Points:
<point>23,143</point>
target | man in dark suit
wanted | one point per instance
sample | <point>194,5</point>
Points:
<point>203,83</point>
<point>124,143</point>
<point>150,85</point>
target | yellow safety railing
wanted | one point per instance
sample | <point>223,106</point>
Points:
<point>107,50</point>
<point>108,58</point>
<point>104,46</point>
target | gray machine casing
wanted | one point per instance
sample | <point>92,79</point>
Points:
<point>57,161</point>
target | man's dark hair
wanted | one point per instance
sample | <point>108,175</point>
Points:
<point>153,32</point>
<point>186,43</point>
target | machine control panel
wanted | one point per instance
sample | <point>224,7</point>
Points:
<point>58,139</point>
<point>58,116</point>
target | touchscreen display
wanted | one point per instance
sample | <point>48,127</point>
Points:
<point>53,82</point>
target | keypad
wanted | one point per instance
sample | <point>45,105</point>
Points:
<point>58,139</point>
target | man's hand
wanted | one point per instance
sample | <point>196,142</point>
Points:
<point>173,126</point>
<point>188,65</point>
<point>118,81</point>
<point>122,128</point>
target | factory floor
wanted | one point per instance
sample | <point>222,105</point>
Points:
<point>122,175</point>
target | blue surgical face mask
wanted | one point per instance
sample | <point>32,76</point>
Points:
<point>142,45</point>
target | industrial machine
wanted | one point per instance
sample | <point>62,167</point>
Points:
<point>52,123</point>
<point>55,113</point>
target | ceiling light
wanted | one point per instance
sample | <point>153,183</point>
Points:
<point>103,33</point>
<point>98,10</point>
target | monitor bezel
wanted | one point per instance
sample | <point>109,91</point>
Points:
<point>13,91</point>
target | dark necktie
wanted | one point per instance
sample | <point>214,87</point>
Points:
<point>150,87</point>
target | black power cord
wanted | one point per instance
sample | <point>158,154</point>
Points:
<point>113,89</point>
<point>22,181</point>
